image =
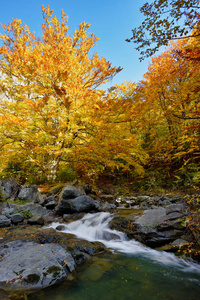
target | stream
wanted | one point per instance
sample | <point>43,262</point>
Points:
<point>130,271</point>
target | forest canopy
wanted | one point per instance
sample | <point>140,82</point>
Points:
<point>56,122</point>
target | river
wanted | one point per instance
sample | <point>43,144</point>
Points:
<point>131,271</point>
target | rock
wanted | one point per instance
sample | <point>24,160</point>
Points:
<point>30,193</point>
<point>9,188</point>
<point>107,207</point>
<point>35,209</point>
<point>164,202</point>
<point>51,205</point>
<point>152,217</point>
<point>82,204</point>
<point>49,235</point>
<point>79,257</point>
<point>36,220</point>
<point>47,200</point>
<point>144,205</point>
<point>71,192</point>
<point>179,243</point>
<point>157,227</point>
<point>143,198</point>
<point>8,212</point>
<point>174,215</point>
<point>28,265</point>
<point>176,208</point>
<point>121,223</point>
<point>60,227</point>
<point>4,221</point>
<point>68,193</point>
<point>17,218</point>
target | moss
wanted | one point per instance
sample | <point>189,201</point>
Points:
<point>32,278</point>
<point>54,270</point>
<point>2,195</point>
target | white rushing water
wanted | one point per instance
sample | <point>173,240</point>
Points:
<point>95,227</point>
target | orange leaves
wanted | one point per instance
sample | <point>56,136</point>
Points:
<point>50,83</point>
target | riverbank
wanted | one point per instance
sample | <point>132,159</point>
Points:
<point>41,257</point>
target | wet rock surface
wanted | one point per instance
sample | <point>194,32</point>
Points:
<point>155,227</point>
<point>30,266</point>
<point>22,234</point>
<point>32,257</point>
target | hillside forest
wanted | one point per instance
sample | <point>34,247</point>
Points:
<point>57,123</point>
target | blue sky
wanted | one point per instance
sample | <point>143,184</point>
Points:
<point>111,21</point>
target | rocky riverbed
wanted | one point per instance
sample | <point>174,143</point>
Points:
<point>33,257</point>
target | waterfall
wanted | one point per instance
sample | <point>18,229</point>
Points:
<point>95,227</point>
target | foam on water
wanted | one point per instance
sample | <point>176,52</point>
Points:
<point>95,227</point>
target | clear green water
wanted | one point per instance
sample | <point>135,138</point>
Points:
<point>122,276</point>
<point>131,272</point>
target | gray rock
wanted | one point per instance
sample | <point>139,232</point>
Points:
<point>174,215</point>
<point>4,221</point>
<point>34,208</point>
<point>143,198</point>
<point>71,192</point>
<point>8,188</point>
<point>30,193</point>
<point>51,204</point>
<point>82,204</point>
<point>107,207</point>
<point>17,218</point>
<point>68,193</point>
<point>152,217</point>
<point>166,202</point>
<point>36,220</point>
<point>144,205</point>
<point>179,243</point>
<point>28,265</point>
<point>157,227</point>
<point>8,212</point>
<point>175,208</point>
<point>48,199</point>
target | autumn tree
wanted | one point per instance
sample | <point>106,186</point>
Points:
<point>164,21</point>
<point>52,113</point>
<point>169,96</point>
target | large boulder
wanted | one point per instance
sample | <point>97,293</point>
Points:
<point>82,204</point>
<point>157,227</point>
<point>79,204</point>
<point>26,266</point>
<point>68,193</point>
<point>32,208</point>
<point>17,218</point>
<point>71,192</point>
<point>8,188</point>
<point>30,193</point>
